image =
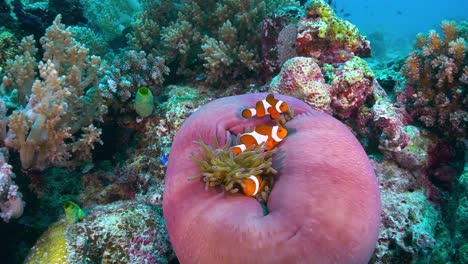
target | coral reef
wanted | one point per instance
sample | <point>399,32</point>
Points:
<point>56,125</point>
<point>128,72</point>
<point>279,32</point>
<point>20,73</point>
<point>412,230</point>
<point>348,85</point>
<point>11,203</point>
<point>110,17</point>
<point>8,47</point>
<point>73,127</point>
<point>327,38</point>
<point>220,36</point>
<point>50,247</point>
<point>436,88</point>
<point>122,232</point>
<point>236,223</point>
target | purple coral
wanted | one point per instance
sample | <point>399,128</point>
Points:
<point>11,204</point>
<point>349,85</point>
<point>302,78</point>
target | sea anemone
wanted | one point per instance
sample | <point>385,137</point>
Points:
<point>220,167</point>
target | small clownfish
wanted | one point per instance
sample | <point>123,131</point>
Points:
<point>268,106</point>
<point>270,135</point>
<point>253,185</point>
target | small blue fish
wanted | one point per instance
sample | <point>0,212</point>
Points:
<point>200,77</point>
<point>164,159</point>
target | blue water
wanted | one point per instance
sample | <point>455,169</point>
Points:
<point>401,20</point>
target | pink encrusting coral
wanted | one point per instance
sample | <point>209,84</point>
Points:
<point>302,78</point>
<point>11,203</point>
<point>349,84</point>
<point>324,207</point>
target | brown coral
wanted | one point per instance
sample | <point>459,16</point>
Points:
<point>435,92</point>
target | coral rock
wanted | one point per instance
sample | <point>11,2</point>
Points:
<point>329,39</point>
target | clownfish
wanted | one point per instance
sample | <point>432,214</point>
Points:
<point>253,185</point>
<point>270,135</point>
<point>268,106</point>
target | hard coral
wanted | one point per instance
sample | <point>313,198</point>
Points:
<point>329,39</point>
<point>122,232</point>
<point>8,46</point>
<point>412,229</point>
<point>216,38</point>
<point>317,202</point>
<point>348,85</point>
<point>436,90</point>
<point>302,78</point>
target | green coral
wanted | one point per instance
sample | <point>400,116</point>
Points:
<point>8,47</point>
<point>332,28</point>
<point>122,232</point>
<point>50,248</point>
<point>355,68</point>
<point>221,168</point>
<point>320,9</point>
<point>463,253</point>
<point>217,38</point>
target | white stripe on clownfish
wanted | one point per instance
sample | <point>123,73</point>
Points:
<point>266,105</point>
<point>274,134</point>
<point>277,106</point>
<point>257,184</point>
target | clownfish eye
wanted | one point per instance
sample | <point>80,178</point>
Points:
<point>282,132</point>
<point>283,107</point>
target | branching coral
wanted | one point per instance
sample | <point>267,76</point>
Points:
<point>8,46</point>
<point>221,168</point>
<point>436,89</point>
<point>56,126</point>
<point>20,71</point>
<point>128,72</point>
<point>110,16</point>
<point>219,38</point>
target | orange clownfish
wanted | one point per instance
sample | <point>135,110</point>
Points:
<point>270,135</point>
<point>253,185</point>
<point>269,106</point>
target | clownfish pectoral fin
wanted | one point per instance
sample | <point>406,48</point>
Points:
<point>270,144</point>
<point>273,114</point>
